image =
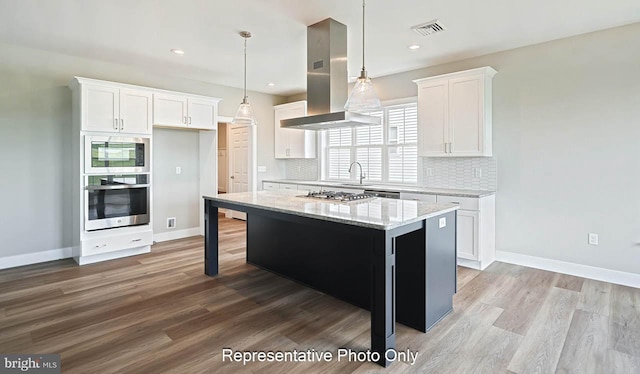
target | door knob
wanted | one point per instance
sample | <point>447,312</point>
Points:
<point>232,177</point>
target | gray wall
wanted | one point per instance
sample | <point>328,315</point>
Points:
<point>566,125</point>
<point>175,195</point>
<point>35,134</point>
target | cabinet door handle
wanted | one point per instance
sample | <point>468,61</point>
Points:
<point>100,246</point>
<point>115,123</point>
<point>121,124</point>
<point>136,240</point>
<point>184,120</point>
<point>189,119</point>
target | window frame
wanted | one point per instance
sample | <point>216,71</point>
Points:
<point>354,175</point>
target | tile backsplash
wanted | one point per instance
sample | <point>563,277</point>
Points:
<point>459,172</point>
<point>302,169</point>
<point>454,172</point>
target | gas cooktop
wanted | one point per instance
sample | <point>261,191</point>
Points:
<point>339,196</point>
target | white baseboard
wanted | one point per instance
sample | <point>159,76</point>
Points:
<point>584,271</point>
<point>176,234</point>
<point>35,257</point>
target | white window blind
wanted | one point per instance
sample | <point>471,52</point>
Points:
<point>387,152</point>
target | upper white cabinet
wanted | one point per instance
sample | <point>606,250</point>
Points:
<point>454,114</point>
<point>293,143</point>
<point>171,110</point>
<point>114,109</point>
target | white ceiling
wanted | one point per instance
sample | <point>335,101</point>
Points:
<point>141,32</point>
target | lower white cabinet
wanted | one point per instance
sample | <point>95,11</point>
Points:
<point>116,242</point>
<point>418,197</point>
<point>475,237</point>
<point>467,234</point>
<point>269,186</point>
<point>476,230</point>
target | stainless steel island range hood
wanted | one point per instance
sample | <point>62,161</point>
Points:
<point>327,81</point>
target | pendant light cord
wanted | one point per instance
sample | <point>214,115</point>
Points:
<point>363,69</point>
<point>245,70</point>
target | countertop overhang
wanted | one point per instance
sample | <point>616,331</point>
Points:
<point>377,213</point>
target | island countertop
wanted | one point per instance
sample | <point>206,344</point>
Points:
<point>388,187</point>
<point>377,213</point>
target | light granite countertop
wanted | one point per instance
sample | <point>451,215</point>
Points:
<point>377,213</point>
<point>390,187</point>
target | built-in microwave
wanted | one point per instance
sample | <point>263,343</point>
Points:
<point>116,201</point>
<point>114,154</point>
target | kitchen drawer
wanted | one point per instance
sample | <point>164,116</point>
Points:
<point>270,186</point>
<point>466,203</point>
<point>418,196</point>
<point>114,243</point>
<point>306,187</point>
<point>288,186</point>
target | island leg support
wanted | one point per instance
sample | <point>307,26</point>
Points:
<point>383,300</point>
<point>210,238</point>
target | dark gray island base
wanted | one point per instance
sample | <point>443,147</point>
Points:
<point>395,258</point>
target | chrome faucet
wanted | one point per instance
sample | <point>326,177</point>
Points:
<point>362,176</point>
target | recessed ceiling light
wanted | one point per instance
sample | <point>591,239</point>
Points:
<point>414,46</point>
<point>271,84</point>
<point>178,51</point>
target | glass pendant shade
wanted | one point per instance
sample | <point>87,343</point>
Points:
<point>363,97</point>
<point>244,115</point>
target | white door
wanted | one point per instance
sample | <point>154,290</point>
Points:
<point>465,116</point>
<point>239,159</point>
<point>467,234</point>
<point>101,108</point>
<point>169,110</point>
<point>202,114</point>
<point>136,111</point>
<point>433,117</point>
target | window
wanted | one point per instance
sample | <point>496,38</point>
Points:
<point>387,152</point>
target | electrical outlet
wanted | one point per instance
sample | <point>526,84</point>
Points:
<point>442,222</point>
<point>171,222</point>
<point>262,169</point>
<point>178,170</point>
<point>429,172</point>
<point>477,172</point>
<point>593,239</point>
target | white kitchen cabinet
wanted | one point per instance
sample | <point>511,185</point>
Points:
<point>454,114</point>
<point>112,109</point>
<point>182,111</point>
<point>418,197</point>
<point>169,110</point>
<point>467,235</point>
<point>270,186</point>
<point>293,143</point>
<point>285,186</point>
<point>475,233</point>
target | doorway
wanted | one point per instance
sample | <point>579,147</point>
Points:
<point>223,162</point>
<point>241,160</point>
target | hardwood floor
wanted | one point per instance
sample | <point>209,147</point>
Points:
<point>158,312</point>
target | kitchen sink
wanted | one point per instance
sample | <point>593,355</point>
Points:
<point>355,184</point>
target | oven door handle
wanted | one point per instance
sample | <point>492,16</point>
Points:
<point>116,187</point>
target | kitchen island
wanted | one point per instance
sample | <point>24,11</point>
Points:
<point>396,258</point>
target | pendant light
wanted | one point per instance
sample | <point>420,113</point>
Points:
<point>244,115</point>
<point>363,97</point>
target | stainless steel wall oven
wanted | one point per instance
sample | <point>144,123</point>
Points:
<point>116,201</point>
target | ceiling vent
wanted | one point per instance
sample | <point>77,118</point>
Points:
<point>429,28</point>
